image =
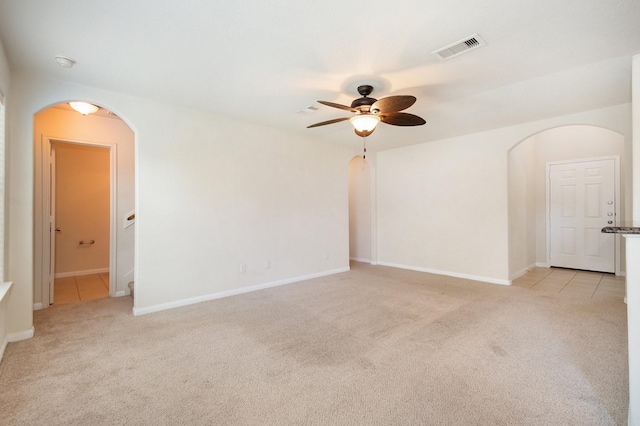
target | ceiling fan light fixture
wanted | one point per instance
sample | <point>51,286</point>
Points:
<point>364,123</point>
<point>84,108</point>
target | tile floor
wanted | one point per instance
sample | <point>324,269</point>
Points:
<point>80,288</point>
<point>573,283</point>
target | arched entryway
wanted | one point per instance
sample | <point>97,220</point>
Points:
<point>528,164</point>
<point>60,126</point>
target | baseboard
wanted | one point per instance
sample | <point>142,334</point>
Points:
<point>220,295</point>
<point>448,273</point>
<point>359,259</point>
<point>38,306</point>
<point>4,289</point>
<point>120,293</point>
<point>78,273</point>
<point>21,335</point>
<point>3,347</point>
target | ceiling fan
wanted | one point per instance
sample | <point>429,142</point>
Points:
<point>369,112</point>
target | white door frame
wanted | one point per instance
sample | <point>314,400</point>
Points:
<point>616,178</point>
<point>43,189</point>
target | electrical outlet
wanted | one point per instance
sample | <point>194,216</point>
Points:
<point>326,255</point>
<point>267,264</point>
<point>243,267</point>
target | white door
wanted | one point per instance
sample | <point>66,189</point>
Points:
<point>582,202</point>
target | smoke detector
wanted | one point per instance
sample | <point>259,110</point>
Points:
<point>65,62</point>
<point>459,47</point>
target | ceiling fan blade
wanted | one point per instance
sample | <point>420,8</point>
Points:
<point>393,103</point>
<point>334,105</point>
<point>401,119</point>
<point>324,123</point>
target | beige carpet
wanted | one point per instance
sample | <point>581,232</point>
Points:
<point>374,346</point>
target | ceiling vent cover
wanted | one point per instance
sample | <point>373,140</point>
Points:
<point>459,47</point>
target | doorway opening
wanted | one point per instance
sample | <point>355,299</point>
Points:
<point>80,215</point>
<point>360,211</point>
<point>84,206</point>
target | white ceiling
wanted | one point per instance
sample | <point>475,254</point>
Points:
<point>262,61</point>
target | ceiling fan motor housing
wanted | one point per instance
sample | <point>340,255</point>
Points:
<point>365,91</point>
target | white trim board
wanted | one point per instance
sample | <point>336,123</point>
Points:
<point>234,292</point>
<point>21,335</point>
<point>80,273</point>
<point>4,289</point>
<point>3,347</point>
<point>447,273</point>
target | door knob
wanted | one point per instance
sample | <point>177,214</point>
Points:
<point>58,229</point>
<point>610,222</point>
<point>610,203</point>
<point>609,214</point>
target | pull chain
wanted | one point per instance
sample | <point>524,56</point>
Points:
<point>364,146</point>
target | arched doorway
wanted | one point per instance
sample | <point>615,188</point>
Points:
<point>360,210</point>
<point>528,189</point>
<point>61,126</point>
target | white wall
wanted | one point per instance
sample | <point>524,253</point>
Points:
<point>443,205</point>
<point>360,187</point>
<point>214,194</point>
<point>211,194</point>
<point>69,125</point>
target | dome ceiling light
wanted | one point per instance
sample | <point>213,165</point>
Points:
<point>84,108</point>
<point>65,62</point>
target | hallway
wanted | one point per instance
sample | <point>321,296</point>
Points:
<point>80,288</point>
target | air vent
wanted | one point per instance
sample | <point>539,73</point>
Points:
<point>460,47</point>
<point>308,110</point>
